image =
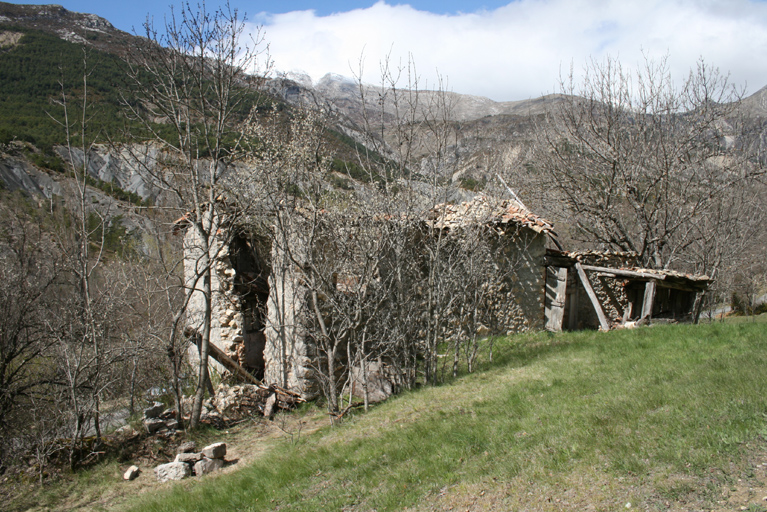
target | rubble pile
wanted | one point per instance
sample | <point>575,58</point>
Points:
<point>188,462</point>
<point>238,402</point>
<point>158,419</point>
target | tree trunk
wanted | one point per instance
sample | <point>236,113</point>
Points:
<point>203,376</point>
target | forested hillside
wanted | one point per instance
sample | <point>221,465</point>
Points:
<point>34,73</point>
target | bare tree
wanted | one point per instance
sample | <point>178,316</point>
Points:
<point>30,266</point>
<point>304,227</point>
<point>193,95</point>
<point>371,278</point>
<point>638,161</point>
<point>83,324</point>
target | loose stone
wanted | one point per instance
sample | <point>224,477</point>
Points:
<point>132,473</point>
<point>187,447</point>
<point>189,458</point>
<point>172,471</point>
<point>205,466</point>
<point>215,451</point>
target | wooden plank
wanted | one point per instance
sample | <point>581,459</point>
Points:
<point>690,284</point>
<point>556,288</point>
<point>685,286</point>
<point>603,324</point>
<point>649,298</point>
<point>625,273</point>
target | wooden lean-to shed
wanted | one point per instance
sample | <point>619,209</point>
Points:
<point>605,290</point>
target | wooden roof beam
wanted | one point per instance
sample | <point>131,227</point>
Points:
<point>625,273</point>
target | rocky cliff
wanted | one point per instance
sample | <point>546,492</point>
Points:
<point>75,27</point>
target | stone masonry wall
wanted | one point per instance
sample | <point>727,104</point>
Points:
<point>226,316</point>
<point>520,307</point>
<point>288,354</point>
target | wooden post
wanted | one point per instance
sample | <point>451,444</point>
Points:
<point>603,324</point>
<point>649,298</point>
<point>556,288</point>
<point>697,306</point>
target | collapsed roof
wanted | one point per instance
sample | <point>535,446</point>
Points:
<point>486,210</point>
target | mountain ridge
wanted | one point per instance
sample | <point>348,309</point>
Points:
<point>71,26</point>
<point>93,30</point>
<point>491,136</point>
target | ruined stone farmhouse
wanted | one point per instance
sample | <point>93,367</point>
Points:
<point>261,299</point>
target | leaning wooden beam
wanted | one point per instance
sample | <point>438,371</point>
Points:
<point>603,324</point>
<point>649,298</point>
<point>232,365</point>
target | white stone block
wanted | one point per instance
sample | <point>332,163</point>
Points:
<point>172,471</point>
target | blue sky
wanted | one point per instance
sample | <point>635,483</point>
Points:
<point>126,15</point>
<point>505,50</point>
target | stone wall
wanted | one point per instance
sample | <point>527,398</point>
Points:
<point>226,314</point>
<point>270,335</point>
<point>288,354</point>
<point>237,324</point>
<point>520,305</point>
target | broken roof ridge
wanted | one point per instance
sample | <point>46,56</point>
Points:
<point>487,209</point>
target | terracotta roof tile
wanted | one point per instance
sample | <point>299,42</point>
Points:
<point>486,210</point>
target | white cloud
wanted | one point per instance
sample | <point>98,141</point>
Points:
<point>516,52</point>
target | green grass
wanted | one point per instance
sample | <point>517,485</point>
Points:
<point>739,319</point>
<point>639,416</point>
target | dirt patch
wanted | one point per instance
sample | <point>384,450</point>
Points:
<point>749,490</point>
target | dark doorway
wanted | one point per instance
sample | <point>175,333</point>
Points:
<point>249,258</point>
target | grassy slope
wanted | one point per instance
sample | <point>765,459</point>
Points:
<point>566,421</point>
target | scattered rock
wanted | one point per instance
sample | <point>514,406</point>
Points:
<point>172,424</point>
<point>206,465</point>
<point>126,432</point>
<point>153,425</point>
<point>132,473</point>
<point>269,406</point>
<point>381,383</point>
<point>215,451</point>
<point>237,402</point>
<point>187,447</point>
<point>172,471</point>
<point>154,411</point>
<point>189,458</point>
